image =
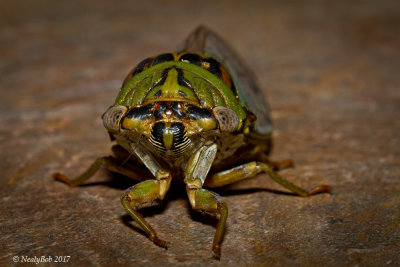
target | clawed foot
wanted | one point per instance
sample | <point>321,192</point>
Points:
<point>160,242</point>
<point>217,252</point>
<point>62,178</point>
<point>320,189</point>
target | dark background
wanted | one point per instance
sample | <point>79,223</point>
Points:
<point>330,70</point>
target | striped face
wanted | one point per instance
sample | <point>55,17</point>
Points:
<point>169,125</point>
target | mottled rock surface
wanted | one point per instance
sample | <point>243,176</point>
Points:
<point>331,73</point>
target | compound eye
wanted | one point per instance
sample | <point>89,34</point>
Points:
<point>227,119</point>
<point>112,118</point>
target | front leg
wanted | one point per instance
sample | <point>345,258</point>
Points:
<point>205,200</point>
<point>201,199</point>
<point>147,191</point>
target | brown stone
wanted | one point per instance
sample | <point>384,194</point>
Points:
<point>331,73</point>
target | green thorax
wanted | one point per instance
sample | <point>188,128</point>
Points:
<point>179,81</point>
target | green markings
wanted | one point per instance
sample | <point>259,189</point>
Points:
<point>172,85</point>
<point>208,90</point>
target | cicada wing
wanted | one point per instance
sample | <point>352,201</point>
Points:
<point>204,41</point>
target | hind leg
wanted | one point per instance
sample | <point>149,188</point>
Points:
<point>111,164</point>
<point>250,170</point>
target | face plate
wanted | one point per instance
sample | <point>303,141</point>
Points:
<point>169,125</point>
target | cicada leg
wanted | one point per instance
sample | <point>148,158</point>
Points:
<point>111,164</point>
<point>120,165</point>
<point>205,200</point>
<point>141,193</point>
<point>196,171</point>
<point>250,170</point>
<point>147,191</point>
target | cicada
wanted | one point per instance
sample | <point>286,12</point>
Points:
<point>197,116</point>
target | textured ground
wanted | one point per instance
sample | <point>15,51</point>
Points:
<point>331,73</point>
